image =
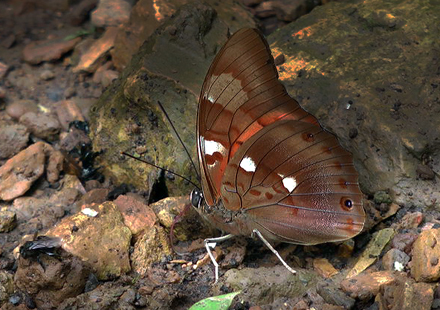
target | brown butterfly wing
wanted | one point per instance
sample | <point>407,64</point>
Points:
<point>295,183</point>
<point>240,96</point>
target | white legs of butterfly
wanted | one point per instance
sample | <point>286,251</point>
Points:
<point>212,242</point>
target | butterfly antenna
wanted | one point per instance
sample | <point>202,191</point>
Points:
<point>178,137</point>
<point>151,164</point>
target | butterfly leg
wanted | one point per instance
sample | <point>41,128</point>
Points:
<point>211,243</point>
<point>257,232</point>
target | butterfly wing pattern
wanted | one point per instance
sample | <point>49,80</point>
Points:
<point>265,162</point>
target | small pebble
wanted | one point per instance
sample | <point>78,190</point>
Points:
<point>47,75</point>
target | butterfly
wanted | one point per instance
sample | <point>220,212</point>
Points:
<point>267,167</point>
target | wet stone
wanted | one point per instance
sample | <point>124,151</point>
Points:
<point>425,256</point>
<point>100,238</point>
<point>47,50</point>
<point>151,247</point>
<point>334,296</point>
<point>404,242</point>
<point>366,285</point>
<point>324,268</point>
<point>395,259</point>
<point>19,107</point>
<point>111,13</point>
<point>8,221</point>
<point>67,112</point>
<point>13,138</point>
<point>42,125</point>
<point>138,216</point>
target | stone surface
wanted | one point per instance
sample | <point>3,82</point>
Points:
<point>50,285</point>
<point>103,241</point>
<point>395,259</point>
<point>151,247</point>
<point>188,225</point>
<point>405,294</point>
<point>21,171</point>
<point>373,251</point>
<point>97,51</point>
<point>41,125</point>
<point>425,263</point>
<point>19,107</point>
<point>6,286</point>
<point>3,70</point>
<point>138,216</point>
<point>111,13</point>
<point>67,112</point>
<point>332,295</point>
<point>47,50</point>
<point>366,285</point>
<point>13,138</point>
<point>148,15</point>
<point>323,267</point>
<point>8,221</point>
<point>378,82</point>
<point>269,284</point>
<point>169,69</point>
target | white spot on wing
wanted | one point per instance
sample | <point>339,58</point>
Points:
<point>248,164</point>
<point>289,183</point>
<point>213,146</point>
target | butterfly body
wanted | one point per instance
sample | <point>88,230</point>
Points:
<point>266,164</point>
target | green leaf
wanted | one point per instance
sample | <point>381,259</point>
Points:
<point>221,302</point>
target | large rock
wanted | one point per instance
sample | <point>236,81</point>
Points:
<point>170,68</point>
<point>145,18</point>
<point>369,71</point>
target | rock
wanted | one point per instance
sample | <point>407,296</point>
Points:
<point>345,249</point>
<point>98,75</point>
<point>50,280</point>
<point>366,285</point>
<point>410,220</point>
<point>372,251</point>
<point>73,139</point>
<point>145,19</point>
<point>8,221</point>
<point>425,264</point>
<point>47,50</point>
<point>323,267</point>
<point>107,293</point>
<point>9,41</point>
<point>95,55</point>
<point>138,216</point>
<point>47,75</point>
<point>288,11</point>
<point>395,259</point>
<point>68,111</point>
<point>407,295</point>
<point>6,286</point>
<point>42,125</point>
<point>95,196</point>
<point>156,75</point>
<point>151,247</point>
<point>111,13</point>
<point>324,76</point>
<point>235,256</point>
<point>21,171</point>
<point>334,296</point>
<point>108,76</point>
<point>264,285</point>
<point>404,242</point>
<point>17,108</point>
<point>3,70</point>
<point>80,12</point>
<point>103,241</point>
<point>189,226</point>
<point>13,138</point>
<point>265,9</point>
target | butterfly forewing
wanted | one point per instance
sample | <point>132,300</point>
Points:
<point>240,96</point>
<point>265,158</point>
